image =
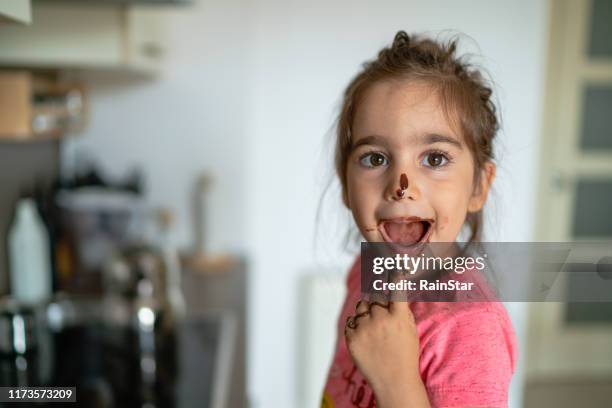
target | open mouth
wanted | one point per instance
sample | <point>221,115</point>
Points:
<point>406,231</point>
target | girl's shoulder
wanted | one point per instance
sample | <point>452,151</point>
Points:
<point>468,352</point>
<point>467,333</point>
<point>432,317</point>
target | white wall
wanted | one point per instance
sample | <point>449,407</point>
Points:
<point>250,90</point>
<point>187,120</point>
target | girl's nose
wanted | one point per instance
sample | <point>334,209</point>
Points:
<point>402,188</point>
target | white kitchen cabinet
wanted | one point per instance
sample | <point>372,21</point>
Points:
<point>70,35</point>
<point>15,11</point>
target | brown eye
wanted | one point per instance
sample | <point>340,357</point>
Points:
<point>373,160</point>
<point>435,159</point>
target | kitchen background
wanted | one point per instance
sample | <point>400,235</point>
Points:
<point>210,124</point>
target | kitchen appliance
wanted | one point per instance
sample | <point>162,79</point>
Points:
<point>24,355</point>
<point>93,225</point>
<point>122,344</point>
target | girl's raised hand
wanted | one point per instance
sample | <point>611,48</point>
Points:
<point>384,343</point>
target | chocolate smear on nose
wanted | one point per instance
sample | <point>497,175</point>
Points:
<point>403,181</point>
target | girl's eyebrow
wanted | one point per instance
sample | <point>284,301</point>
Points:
<point>432,138</point>
<point>369,140</point>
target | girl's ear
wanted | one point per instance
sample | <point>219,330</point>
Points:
<point>487,174</point>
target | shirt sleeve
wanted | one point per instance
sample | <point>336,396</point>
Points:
<point>469,361</point>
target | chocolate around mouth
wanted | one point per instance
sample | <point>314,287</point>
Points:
<point>406,232</point>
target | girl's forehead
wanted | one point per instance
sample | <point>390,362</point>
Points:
<point>401,111</point>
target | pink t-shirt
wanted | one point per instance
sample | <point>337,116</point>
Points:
<point>468,354</point>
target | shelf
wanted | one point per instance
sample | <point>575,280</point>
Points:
<point>38,107</point>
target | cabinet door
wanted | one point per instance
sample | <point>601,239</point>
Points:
<point>144,38</point>
<point>70,35</point>
<point>64,35</point>
<point>15,11</point>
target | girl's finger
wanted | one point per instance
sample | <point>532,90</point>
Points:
<point>360,317</point>
<point>347,330</point>
<point>362,306</point>
<point>351,324</point>
<point>378,309</point>
<point>400,308</point>
<point>401,295</point>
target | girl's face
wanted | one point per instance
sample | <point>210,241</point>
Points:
<point>410,176</point>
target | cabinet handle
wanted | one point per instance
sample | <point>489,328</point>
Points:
<point>152,50</point>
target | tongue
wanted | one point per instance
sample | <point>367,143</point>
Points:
<point>408,233</point>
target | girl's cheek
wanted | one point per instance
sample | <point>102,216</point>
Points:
<point>362,207</point>
<point>365,183</point>
<point>366,225</point>
<point>366,174</point>
<point>449,201</point>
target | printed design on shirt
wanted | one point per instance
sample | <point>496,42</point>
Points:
<point>358,392</point>
<point>327,401</point>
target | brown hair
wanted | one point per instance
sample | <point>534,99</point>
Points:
<point>464,94</point>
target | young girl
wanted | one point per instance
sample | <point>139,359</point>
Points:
<point>414,157</point>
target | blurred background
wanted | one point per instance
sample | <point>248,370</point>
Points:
<point>170,231</point>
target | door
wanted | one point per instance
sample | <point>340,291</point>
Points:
<point>575,196</point>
